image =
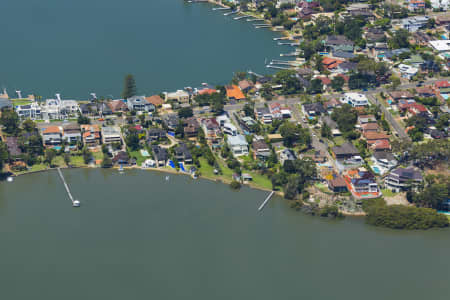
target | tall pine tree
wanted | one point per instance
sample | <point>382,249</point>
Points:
<point>129,87</point>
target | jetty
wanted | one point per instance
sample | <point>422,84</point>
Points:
<point>278,67</point>
<point>220,8</point>
<point>265,201</point>
<point>75,203</point>
<point>251,20</point>
<point>290,54</point>
<point>288,44</point>
<point>284,62</point>
<point>241,17</point>
<point>231,12</point>
<point>253,73</point>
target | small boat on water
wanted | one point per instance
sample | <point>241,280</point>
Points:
<point>10,179</point>
<point>167,178</point>
<point>76,203</point>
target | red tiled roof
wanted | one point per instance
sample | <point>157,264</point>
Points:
<point>381,145</point>
<point>375,136</point>
<point>234,92</point>
<point>156,100</point>
<point>442,84</point>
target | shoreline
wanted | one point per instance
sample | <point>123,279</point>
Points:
<point>174,172</point>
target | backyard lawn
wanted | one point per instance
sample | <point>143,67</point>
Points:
<point>138,156</point>
<point>77,161</point>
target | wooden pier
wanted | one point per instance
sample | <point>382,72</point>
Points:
<point>265,201</point>
<point>75,203</point>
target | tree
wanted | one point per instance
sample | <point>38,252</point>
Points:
<point>345,117</point>
<point>316,86</point>
<point>292,133</point>
<point>4,154</point>
<point>10,120</point>
<point>395,81</point>
<point>28,125</point>
<point>400,39</point>
<point>132,139</point>
<point>107,162</point>
<point>325,131</point>
<point>248,110</point>
<point>289,81</point>
<point>185,112</point>
<point>83,120</point>
<point>337,83</point>
<point>129,87</point>
<point>50,154</point>
<point>66,158</point>
<point>87,155</point>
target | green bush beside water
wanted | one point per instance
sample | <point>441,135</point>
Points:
<point>403,217</point>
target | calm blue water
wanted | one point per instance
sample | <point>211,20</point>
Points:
<point>84,46</point>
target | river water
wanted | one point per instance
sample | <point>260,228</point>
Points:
<point>83,46</point>
<point>138,236</point>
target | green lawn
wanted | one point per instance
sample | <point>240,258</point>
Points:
<point>339,140</point>
<point>388,193</point>
<point>97,155</point>
<point>260,180</point>
<point>34,168</point>
<point>77,161</point>
<point>58,161</point>
<point>138,156</point>
<point>20,102</point>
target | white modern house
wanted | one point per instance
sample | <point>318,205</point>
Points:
<point>407,71</point>
<point>29,111</point>
<point>57,109</point>
<point>229,129</point>
<point>402,179</point>
<point>139,103</point>
<point>355,99</point>
<point>179,96</point>
<point>238,145</point>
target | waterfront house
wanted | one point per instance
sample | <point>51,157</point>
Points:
<point>160,155</point>
<point>402,179</point>
<point>111,134</point>
<point>182,153</point>
<point>234,93</point>
<point>155,100</point>
<point>91,135</point>
<point>52,135</point>
<point>139,103</point>
<point>121,158</point>
<point>29,111</point>
<point>238,145</point>
<point>362,184</point>
<point>117,106</point>
<point>245,85</point>
<point>260,150</point>
<point>345,151</point>
<point>337,185</point>
<point>384,160</point>
<point>179,96</point>
<point>72,133</point>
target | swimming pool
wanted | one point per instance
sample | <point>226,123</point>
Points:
<point>57,148</point>
<point>376,170</point>
<point>145,153</point>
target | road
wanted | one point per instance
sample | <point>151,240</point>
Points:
<point>371,95</point>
